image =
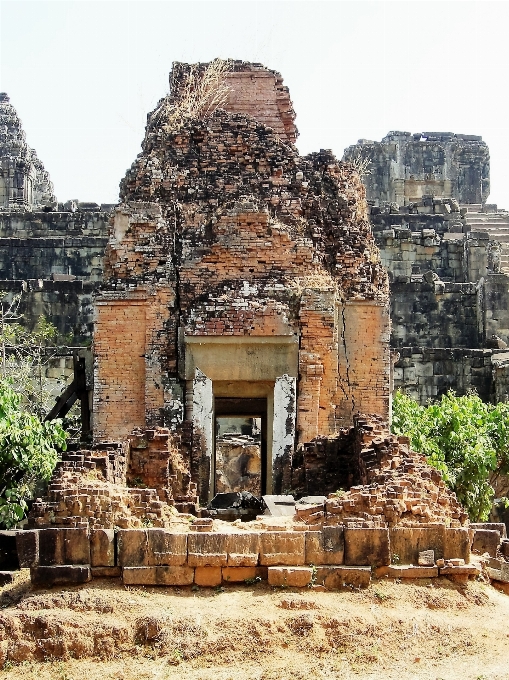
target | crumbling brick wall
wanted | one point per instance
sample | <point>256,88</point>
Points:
<point>225,231</point>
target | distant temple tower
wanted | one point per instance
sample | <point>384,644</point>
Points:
<point>24,183</point>
<point>404,167</point>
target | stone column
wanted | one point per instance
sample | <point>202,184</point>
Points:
<point>203,421</point>
<point>283,429</point>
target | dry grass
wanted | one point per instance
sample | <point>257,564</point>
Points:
<point>319,280</point>
<point>202,92</point>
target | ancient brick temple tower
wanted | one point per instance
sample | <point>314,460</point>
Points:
<point>240,278</point>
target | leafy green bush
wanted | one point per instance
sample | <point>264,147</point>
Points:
<point>463,437</point>
<point>28,454</point>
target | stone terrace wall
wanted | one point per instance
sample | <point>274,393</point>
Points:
<point>448,298</point>
<point>56,259</point>
<point>334,557</point>
<point>426,373</point>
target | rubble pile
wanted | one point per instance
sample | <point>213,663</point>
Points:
<point>398,487</point>
<point>109,486</point>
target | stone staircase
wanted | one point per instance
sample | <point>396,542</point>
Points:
<point>496,223</point>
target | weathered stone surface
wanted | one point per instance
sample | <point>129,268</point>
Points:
<point>280,505</point>
<point>102,548</point>
<point>64,546</point>
<point>491,526</point>
<point>207,550</point>
<point>158,576</point>
<point>208,576</point>
<point>326,546</point>
<point>461,570</point>
<point>367,547</point>
<point>282,548</point>
<point>486,541</point>
<point>498,570</point>
<point>406,571</point>
<point>151,547</point>
<point>240,574</point>
<point>337,577</point>
<point>457,544</point>
<point>426,558</point>
<point>54,575</point>
<point>408,542</point>
<point>106,572</point>
<point>243,549</point>
<point>297,577</point>
<point>27,545</point>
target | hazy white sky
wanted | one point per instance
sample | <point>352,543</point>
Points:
<point>83,74</point>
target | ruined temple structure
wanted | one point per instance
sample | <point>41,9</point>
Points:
<point>241,329</point>
<point>447,257</point>
<point>24,183</point>
<point>51,251</point>
<point>240,280</point>
<point>405,167</point>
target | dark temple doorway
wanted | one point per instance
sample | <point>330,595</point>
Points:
<point>240,445</point>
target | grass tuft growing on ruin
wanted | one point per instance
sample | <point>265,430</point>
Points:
<point>201,93</point>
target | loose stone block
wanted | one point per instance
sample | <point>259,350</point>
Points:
<point>407,542</point>
<point>498,570</point>
<point>102,548</point>
<point>491,526</point>
<point>151,547</point>
<point>282,548</point>
<point>64,546</point>
<point>166,549</point>
<point>367,547</point>
<point>457,544</point>
<point>106,572</point>
<point>464,570</point>
<point>27,545</point>
<point>239,574</point>
<point>243,549</point>
<point>60,575</point>
<point>207,550</point>
<point>208,576</point>
<point>426,558</point>
<point>406,571</point>
<point>158,576</point>
<point>297,577</point>
<point>486,541</point>
<point>337,577</point>
<point>326,546</point>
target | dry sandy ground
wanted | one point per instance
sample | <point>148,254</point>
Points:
<point>424,630</point>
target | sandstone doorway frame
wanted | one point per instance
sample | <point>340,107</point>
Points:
<point>264,367</point>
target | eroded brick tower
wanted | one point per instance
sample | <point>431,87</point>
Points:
<point>240,278</point>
